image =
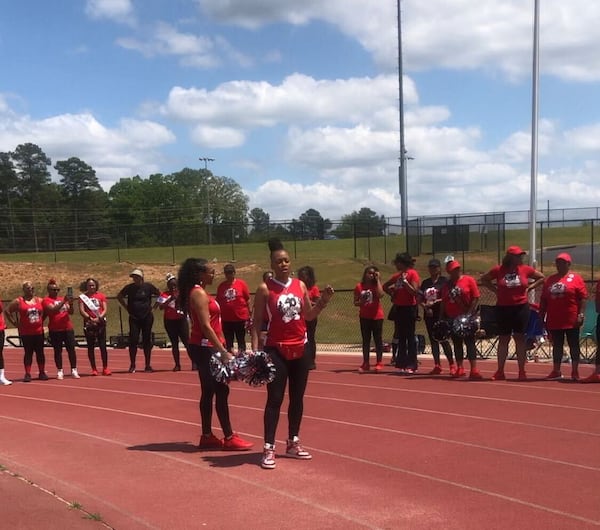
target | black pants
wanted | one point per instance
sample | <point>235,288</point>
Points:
<point>2,349</point>
<point>177,330</point>
<point>558,341</point>
<point>143,326</point>
<point>374,328</point>
<point>459,352</point>
<point>33,344</point>
<point>310,348</point>
<point>66,338</point>
<point>210,388</point>
<point>235,329</point>
<point>91,339</point>
<point>404,335</point>
<point>296,372</point>
<point>435,345</point>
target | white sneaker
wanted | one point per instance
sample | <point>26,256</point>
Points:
<point>74,374</point>
<point>268,458</point>
<point>60,375</point>
<point>4,381</point>
<point>295,450</point>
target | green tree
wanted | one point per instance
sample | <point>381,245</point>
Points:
<point>8,184</point>
<point>260,221</point>
<point>364,223</point>
<point>33,177</point>
<point>86,203</point>
<point>311,225</point>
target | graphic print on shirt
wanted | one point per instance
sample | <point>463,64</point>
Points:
<point>289,307</point>
<point>512,279</point>
<point>230,294</point>
<point>558,289</point>
<point>431,295</point>
<point>366,296</point>
<point>33,315</point>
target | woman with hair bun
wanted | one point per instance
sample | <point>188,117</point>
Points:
<point>206,340</point>
<point>287,302</point>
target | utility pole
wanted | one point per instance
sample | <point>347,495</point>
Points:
<point>206,160</point>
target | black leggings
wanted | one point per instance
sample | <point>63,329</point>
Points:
<point>369,327</point>
<point>2,349</point>
<point>33,344</point>
<point>404,336</point>
<point>235,329</point>
<point>296,372</point>
<point>143,326</point>
<point>435,345</point>
<point>459,353</point>
<point>558,341</point>
<point>57,339</point>
<point>91,339</point>
<point>210,388</point>
<point>310,348</point>
<point>177,330</point>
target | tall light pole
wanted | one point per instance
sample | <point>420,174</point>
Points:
<point>402,172</point>
<point>206,160</point>
<point>534,135</point>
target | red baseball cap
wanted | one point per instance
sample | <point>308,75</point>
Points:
<point>515,250</point>
<point>564,256</point>
<point>451,265</point>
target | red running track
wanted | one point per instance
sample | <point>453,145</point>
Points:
<point>388,451</point>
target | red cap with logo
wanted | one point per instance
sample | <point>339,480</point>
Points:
<point>515,250</point>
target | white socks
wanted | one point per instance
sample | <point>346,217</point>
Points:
<point>3,379</point>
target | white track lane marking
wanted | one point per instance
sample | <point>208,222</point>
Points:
<point>310,502</point>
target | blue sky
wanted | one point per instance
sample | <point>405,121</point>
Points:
<point>297,101</point>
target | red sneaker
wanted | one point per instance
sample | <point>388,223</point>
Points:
<point>94,372</point>
<point>437,370</point>
<point>210,441</point>
<point>364,367</point>
<point>475,375</point>
<point>554,375</point>
<point>592,378</point>
<point>499,376</point>
<point>379,367</point>
<point>522,376</point>
<point>236,443</point>
<point>460,372</point>
<point>452,370</point>
<point>106,371</point>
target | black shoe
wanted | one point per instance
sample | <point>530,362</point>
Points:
<point>177,368</point>
<point>194,367</point>
<point>43,376</point>
<point>131,369</point>
<point>148,369</point>
<point>313,366</point>
<point>27,378</point>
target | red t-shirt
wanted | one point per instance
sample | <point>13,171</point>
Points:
<point>285,310</point>
<point>512,285</point>
<point>562,296</point>
<point>214,311</point>
<point>57,321</point>
<point>401,295</point>
<point>2,322</point>
<point>314,293</point>
<point>370,303</point>
<point>233,298</point>
<point>170,311</point>
<point>97,300</point>
<point>458,297</point>
<point>31,321</point>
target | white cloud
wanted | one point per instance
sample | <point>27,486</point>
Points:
<point>487,35</point>
<point>116,10</point>
<point>131,148</point>
<point>217,137</point>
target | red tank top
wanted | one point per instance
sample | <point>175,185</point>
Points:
<point>2,322</point>
<point>196,335</point>
<point>284,308</point>
<point>30,316</point>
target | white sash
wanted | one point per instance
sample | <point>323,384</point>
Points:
<point>89,304</point>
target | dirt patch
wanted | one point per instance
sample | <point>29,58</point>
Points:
<point>112,276</point>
